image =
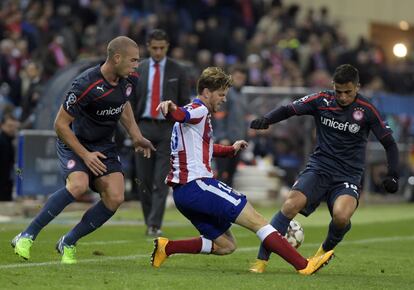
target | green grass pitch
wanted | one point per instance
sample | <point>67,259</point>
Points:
<point>378,253</point>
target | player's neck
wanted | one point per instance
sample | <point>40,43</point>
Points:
<point>205,101</point>
<point>109,75</point>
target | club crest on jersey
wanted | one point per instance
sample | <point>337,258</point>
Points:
<point>71,164</point>
<point>358,114</point>
<point>128,90</point>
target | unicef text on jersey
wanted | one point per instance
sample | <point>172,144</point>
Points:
<point>353,128</point>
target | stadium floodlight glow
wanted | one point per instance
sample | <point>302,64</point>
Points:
<point>404,25</point>
<point>400,50</point>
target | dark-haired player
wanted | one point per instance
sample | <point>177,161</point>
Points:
<point>85,126</point>
<point>333,174</point>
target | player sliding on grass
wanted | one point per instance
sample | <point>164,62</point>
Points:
<point>85,125</point>
<point>334,172</point>
<point>210,205</point>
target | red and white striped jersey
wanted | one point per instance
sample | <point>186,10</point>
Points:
<point>191,144</point>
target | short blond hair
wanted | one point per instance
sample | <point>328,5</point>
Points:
<point>213,78</point>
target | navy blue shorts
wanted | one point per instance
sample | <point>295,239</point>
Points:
<point>320,186</point>
<point>71,162</point>
<point>210,205</point>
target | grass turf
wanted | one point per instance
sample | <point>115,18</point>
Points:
<point>378,253</point>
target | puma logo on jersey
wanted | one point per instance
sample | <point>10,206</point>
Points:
<point>100,88</point>
<point>327,102</point>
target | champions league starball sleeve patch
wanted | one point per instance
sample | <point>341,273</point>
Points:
<point>70,100</point>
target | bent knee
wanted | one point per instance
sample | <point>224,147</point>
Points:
<point>77,189</point>
<point>226,248</point>
<point>229,249</point>
<point>340,220</point>
<point>113,200</point>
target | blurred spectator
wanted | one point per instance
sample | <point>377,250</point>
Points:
<point>230,124</point>
<point>8,130</point>
<point>161,78</point>
<point>31,92</point>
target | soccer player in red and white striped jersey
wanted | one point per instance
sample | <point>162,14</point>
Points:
<point>211,205</point>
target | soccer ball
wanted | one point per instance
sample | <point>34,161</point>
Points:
<point>295,234</point>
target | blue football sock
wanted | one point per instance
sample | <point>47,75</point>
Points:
<point>335,235</point>
<point>93,218</point>
<point>281,223</point>
<point>53,207</point>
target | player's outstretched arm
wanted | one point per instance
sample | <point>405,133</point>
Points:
<point>229,150</point>
<point>172,112</point>
<point>272,117</point>
<point>141,144</point>
<point>167,107</point>
<point>91,159</point>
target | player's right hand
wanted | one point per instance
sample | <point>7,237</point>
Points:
<point>166,107</point>
<point>261,123</point>
<point>144,146</point>
<point>94,163</point>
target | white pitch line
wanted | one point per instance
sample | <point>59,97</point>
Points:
<point>244,249</point>
<point>356,242</point>
<point>103,259</point>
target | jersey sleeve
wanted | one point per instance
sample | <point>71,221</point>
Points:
<point>223,150</point>
<point>306,105</point>
<point>379,127</point>
<point>76,99</point>
<point>191,114</point>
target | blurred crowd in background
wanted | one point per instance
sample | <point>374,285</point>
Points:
<point>276,47</point>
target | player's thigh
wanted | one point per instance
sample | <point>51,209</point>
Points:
<point>210,205</point>
<point>343,201</point>
<point>211,197</point>
<point>209,226</point>
<point>73,169</point>
<point>314,185</point>
<point>112,182</point>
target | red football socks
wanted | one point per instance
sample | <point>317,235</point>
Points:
<point>276,243</point>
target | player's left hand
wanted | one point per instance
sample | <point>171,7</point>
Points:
<point>144,146</point>
<point>390,183</point>
<point>239,145</point>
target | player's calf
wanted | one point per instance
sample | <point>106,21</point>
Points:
<point>164,247</point>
